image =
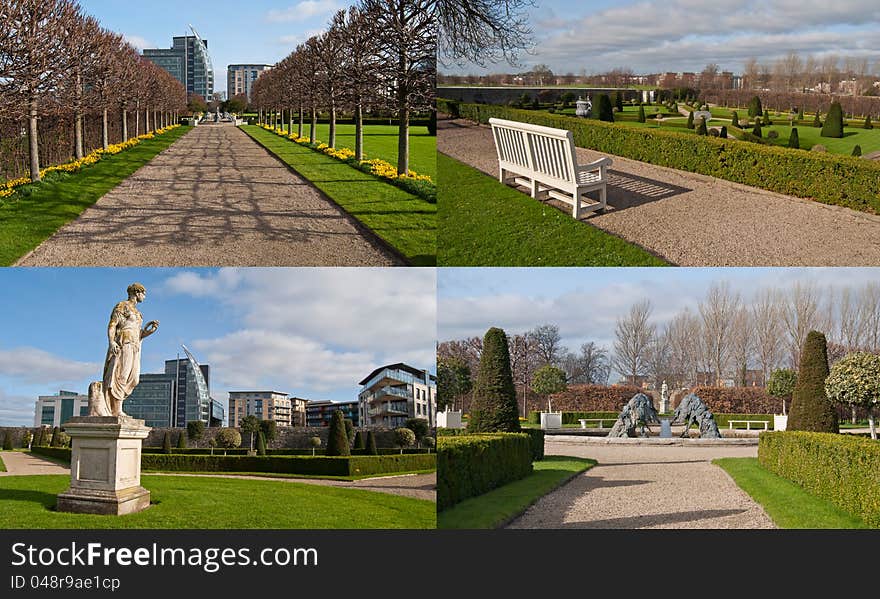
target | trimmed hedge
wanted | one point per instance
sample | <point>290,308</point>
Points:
<point>842,469</point>
<point>827,178</point>
<point>589,398</point>
<point>229,452</point>
<point>316,466</point>
<point>738,400</point>
<point>470,465</point>
<point>536,438</point>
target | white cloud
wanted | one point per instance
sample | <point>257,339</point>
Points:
<point>139,42</point>
<point>299,38</point>
<point>16,410</point>
<point>303,11</point>
<point>32,365</point>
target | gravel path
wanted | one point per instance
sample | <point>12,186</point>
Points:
<point>214,198</point>
<point>647,487</point>
<point>696,220</point>
<point>20,463</point>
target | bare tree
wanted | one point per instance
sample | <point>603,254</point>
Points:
<point>717,312</point>
<point>547,343</point>
<point>769,331</point>
<point>869,298</point>
<point>852,319</point>
<point>684,334</point>
<point>658,358</point>
<point>742,344</point>
<point>633,334</point>
<point>482,31</point>
<point>361,70</point>
<point>800,315</point>
<point>523,363</point>
<point>751,72</point>
<point>594,364</point>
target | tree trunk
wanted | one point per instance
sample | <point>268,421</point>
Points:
<point>124,124</point>
<point>871,423</point>
<point>146,120</point>
<point>301,120</point>
<point>77,121</point>
<point>359,131</point>
<point>104,141</point>
<point>332,135</point>
<point>314,124</point>
<point>290,121</point>
<point>403,139</point>
<point>34,141</point>
<point>137,121</point>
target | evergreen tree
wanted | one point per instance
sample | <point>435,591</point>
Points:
<point>734,119</point>
<point>166,442</point>
<point>349,430</point>
<point>701,128</point>
<point>642,114</point>
<point>757,130</point>
<point>857,150</point>
<point>195,429</point>
<point>810,408</point>
<point>40,437</point>
<point>816,121</point>
<point>337,441</point>
<point>833,126</point>
<point>868,123</point>
<point>800,114</point>
<point>618,101</point>
<point>494,407</point>
<point>359,441</point>
<point>56,437</point>
<point>723,133</point>
<point>755,108</point>
<point>261,444</point>
<point>690,123</point>
<point>793,140</point>
<point>766,122</point>
<point>181,440</point>
<point>371,444</point>
<point>605,112</point>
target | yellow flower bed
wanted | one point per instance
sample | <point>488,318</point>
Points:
<point>378,167</point>
<point>7,188</point>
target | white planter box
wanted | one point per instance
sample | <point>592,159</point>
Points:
<point>551,420</point>
<point>779,422</point>
<point>449,419</point>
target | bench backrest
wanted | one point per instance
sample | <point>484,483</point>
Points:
<point>543,150</point>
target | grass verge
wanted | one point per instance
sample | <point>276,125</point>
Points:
<point>499,506</point>
<point>787,504</point>
<point>190,502</point>
<point>271,475</point>
<point>2,465</point>
<point>485,223</point>
<point>26,220</point>
<point>405,222</point>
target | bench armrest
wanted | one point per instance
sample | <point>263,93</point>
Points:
<point>595,165</point>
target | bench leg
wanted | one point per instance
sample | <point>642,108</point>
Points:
<point>534,189</point>
<point>576,206</point>
<point>604,197</point>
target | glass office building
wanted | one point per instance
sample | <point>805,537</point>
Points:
<point>188,61</point>
<point>392,394</point>
<point>55,410</point>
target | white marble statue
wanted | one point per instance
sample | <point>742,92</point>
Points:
<point>122,366</point>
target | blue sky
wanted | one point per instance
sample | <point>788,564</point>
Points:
<point>586,302</point>
<point>310,332</point>
<point>684,35</point>
<point>259,31</point>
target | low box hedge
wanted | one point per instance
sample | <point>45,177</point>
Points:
<point>279,452</point>
<point>536,439</point>
<point>842,469</point>
<point>470,465</point>
<point>827,178</point>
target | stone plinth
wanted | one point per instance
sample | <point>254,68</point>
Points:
<point>105,466</point>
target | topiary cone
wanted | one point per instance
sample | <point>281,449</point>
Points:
<point>337,441</point>
<point>494,407</point>
<point>810,408</point>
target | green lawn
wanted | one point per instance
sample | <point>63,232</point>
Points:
<point>485,223</point>
<point>499,506</point>
<point>380,141</point>
<point>809,136</point>
<point>787,504</point>
<point>406,222</point>
<point>25,222</point>
<point>191,502</point>
<point>2,465</point>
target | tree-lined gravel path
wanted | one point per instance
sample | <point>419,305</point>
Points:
<point>696,220</point>
<point>214,198</point>
<point>638,486</point>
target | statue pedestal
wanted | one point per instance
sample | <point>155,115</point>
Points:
<point>105,466</point>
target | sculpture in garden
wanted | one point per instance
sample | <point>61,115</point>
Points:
<point>122,366</point>
<point>636,414</point>
<point>692,410</point>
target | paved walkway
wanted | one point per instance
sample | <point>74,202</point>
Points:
<point>647,487</point>
<point>214,198</point>
<point>696,220</point>
<point>420,486</point>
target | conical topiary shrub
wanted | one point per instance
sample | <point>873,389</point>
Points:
<point>371,444</point>
<point>810,408</point>
<point>690,123</point>
<point>642,114</point>
<point>337,441</point>
<point>166,442</point>
<point>494,408</point>
<point>868,123</point>
<point>755,108</point>
<point>794,141</point>
<point>701,128</point>
<point>857,150</point>
<point>604,108</point>
<point>261,443</point>
<point>833,126</point>
<point>359,441</point>
<point>181,440</point>
<point>817,122</point>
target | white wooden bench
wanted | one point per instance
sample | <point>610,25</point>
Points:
<point>748,423</point>
<point>545,160</point>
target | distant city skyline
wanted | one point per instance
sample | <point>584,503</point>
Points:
<point>311,332</point>
<point>651,36</point>
<point>228,28</point>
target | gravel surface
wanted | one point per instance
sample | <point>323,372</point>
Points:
<point>18,463</point>
<point>696,220</point>
<point>214,198</point>
<point>647,487</point>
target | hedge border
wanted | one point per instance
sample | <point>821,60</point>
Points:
<point>830,179</point>
<point>842,469</point>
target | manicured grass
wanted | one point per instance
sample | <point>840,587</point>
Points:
<point>380,141</point>
<point>406,222</point>
<point>809,136</point>
<point>25,222</point>
<point>304,476</point>
<point>485,223</point>
<point>191,502</point>
<point>787,504</point>
<point>2,465</point>
<point>499,506</point>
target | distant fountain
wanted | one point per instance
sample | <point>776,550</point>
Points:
<point>638,413</point>
<point>692,410</point>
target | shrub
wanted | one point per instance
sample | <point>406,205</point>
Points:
<point>228,438</point>
<point>269,428</point>
<point>58,453</point>
<point>830,179</point>
<point>772,135</point>
<point>855,381</point>
<point>7,441</point>
<point>261,443</point>
<point>642,118</point>
<point>536,443</point>
<point>470,465</point>
<point>305,465</point>
<point>781,384</point>
<point>548,380</point>
<point>819,148</point>
<point>337,440</point>
<point>315,442</point>
<point>755,108</point>
<point>868,123</point>
<point>26,439</point>
<point>766,121</point>
<point>723,133</point>
<point>857,150</point>
<point>800,114</point>
<point>737,400</point>
<point>734,119</point>
<point>810,408</point>
<point>618,101</point>
<point>833,126</point>
<point>604,108</point>
<point>842,469</point>
<point>359,441</point>
<point>449,107</point>
<point>166,442</point>
<point>690,123</point>
<point>403,437</point>
<point>371,444</point>
<point>793,139</point>
<point>195,429</point>
<point>429,442</point>
<point>419,426</point>
<point>701,128</point>
<point>816,121</point>
<point>494,407</point>
<point>181,440</point>
<point>757,130</point>
<point>56,438</point>
<point>349,431</point>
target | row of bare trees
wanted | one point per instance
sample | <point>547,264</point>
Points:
<point>379,55</point>
<point>58,67</point>
<point>794,72</point>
